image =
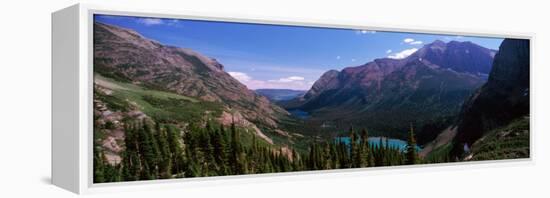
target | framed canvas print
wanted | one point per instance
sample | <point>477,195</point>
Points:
<point>167,98</point>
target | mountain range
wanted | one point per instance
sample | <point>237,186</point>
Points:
<point>277,95</point>
<point>387,94</point>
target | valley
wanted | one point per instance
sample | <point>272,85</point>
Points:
<point>164,112</point>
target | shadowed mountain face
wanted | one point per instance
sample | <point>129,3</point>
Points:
<point>125,55</point>
<point>387,94</point>
<point>504,98</point>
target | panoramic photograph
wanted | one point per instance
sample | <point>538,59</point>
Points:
<point>178,98</point>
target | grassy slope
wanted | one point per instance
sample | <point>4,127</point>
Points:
<point>167,107</point>
<point>162,106</point>
<point>440,154</point>
<point>508,142</point>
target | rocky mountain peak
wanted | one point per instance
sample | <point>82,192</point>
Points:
<point>329,80</point>
<point>459,56</point>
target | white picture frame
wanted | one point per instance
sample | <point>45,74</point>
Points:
<point>72,90</point>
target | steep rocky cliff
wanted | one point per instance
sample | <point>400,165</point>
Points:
<point>503,99</point>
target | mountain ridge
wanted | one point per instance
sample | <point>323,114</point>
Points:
<point>179,70</point>
<point>412,87</point>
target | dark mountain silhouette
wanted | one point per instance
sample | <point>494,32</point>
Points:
<point>504,98</point>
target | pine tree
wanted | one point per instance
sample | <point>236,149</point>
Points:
<point>148,152</point>
<point>364,159</point>
<point>177,154</point>
<point>219,144</point>
<point>371,157</point>
<point>131,163</point>
<point>412,157</point>
<point>99,172</point>
<point>192,169</point>
<point>165,163</point>
<point>236,152</point>
<point>388,153</point>
<point>353,148</point>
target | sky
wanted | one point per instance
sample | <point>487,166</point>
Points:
<point>279,56</point>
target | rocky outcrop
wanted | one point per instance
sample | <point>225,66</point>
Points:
<point>327,81</point>
<point>504,98</point>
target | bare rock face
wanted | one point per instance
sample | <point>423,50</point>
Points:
<point>329,80</point>
<point>458,56</point>
<point>126,55</point>
<point>504,98</point>
<point>368,79</point>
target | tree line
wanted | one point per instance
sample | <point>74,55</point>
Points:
<point>163,151</point>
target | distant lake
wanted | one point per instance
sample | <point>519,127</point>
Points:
<point>375,141</point>
<point>299,113</point>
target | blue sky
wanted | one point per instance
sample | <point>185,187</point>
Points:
<point>277,56</point>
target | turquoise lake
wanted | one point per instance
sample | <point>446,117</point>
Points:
<point>375,141</point>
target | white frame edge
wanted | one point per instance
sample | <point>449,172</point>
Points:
<point>72,91</point>
<point>65,112</point>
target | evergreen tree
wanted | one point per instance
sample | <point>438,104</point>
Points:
<point>99,172</point>
<point>353,148</point>
<point>412,157</point>
<point>165,163</point>
<point>176,150</point>
<point>236,159</point>
<point>364,158</point>
<point>148,152</point>
<point>219,144</point>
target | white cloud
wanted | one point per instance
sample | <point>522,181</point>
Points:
<point>388,51</point>
<point>412,41</point>
<point>408,40</point>
<point>291,82</point>
<point>150,21</point>
<point>157,21</point>
<point>450,38</point>
<point>353,60</point>
<point>365,32</point>
<point>296,78</point>
<point>403,54</point>
<point>240,76</point>
<point>288,79</point>
<point>338,57</point>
